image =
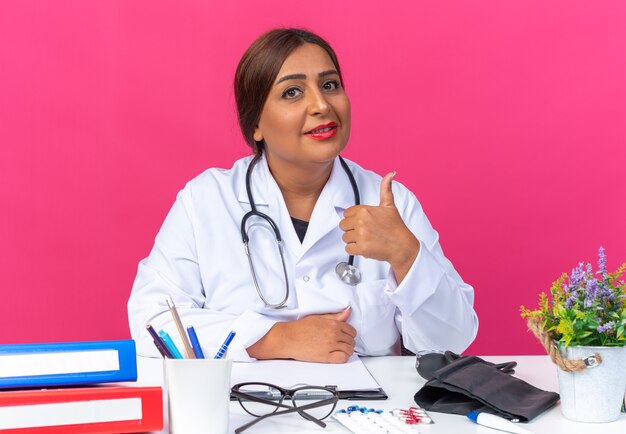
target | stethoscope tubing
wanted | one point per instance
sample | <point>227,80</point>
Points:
<point>349,273</point>
<point>355,190</point>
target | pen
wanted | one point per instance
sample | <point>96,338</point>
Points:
<point>496,422</point>
<point>195,344</point>
<point>165,352</point>
<point>161,350</point>
<point>170,344</point>
<point>225,345</point>
<point>179,326</point>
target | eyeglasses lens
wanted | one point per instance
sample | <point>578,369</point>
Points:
<point>311,396</point>
<point>269,394</point>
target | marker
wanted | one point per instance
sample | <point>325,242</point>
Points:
<point>195,344</point>
<point>496,422</point>
<point>165,352</point>
<point>170,344</point>
<point>225,345</point>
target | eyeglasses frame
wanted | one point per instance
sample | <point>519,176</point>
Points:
<point>237,393</point>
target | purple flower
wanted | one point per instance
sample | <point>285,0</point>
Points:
<point>577,276</point>
<point>605,291</point>
<point>606,327</point>
<point>591,291</point>
<point>601,261</point>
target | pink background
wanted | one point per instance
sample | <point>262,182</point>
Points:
<point>507,119</point>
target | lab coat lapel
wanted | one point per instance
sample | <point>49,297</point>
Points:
<point>278,211</point>
<point>269,200</point>
<point>258,184</point>
<point>336,196</point>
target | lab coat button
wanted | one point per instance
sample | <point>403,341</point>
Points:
<point>305,278</point>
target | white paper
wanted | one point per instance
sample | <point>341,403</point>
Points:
<point>352,375</point>
<point>70,413</point>
<point>66,362</point>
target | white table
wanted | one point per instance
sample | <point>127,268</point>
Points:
<point>398,377</point>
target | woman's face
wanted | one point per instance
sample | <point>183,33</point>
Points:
<point>306,117</point>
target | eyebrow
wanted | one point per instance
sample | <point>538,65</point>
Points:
<point>303,76</point>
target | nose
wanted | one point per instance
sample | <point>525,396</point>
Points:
<point>318,105</point>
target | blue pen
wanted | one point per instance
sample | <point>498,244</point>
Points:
<point>195,344</point>
<point>170,344</point>
<point>225,345</point>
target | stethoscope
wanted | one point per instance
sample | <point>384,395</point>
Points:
<point>346,271</point>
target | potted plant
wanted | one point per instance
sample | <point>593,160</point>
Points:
<point>582,325</point>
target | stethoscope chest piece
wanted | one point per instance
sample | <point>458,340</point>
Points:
<point>348,273</point>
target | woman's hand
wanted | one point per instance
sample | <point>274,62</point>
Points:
<point>378,232</point>
<point>326,338</point>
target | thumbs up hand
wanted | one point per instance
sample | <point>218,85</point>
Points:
<point>386,193</point>
<point>378,232</point>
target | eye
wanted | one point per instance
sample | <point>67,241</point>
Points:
<point>291,93</point>
<point>331,85</point>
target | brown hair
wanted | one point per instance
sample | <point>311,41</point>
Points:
<point>259,67</point>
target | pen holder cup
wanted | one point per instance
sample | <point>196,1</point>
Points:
<point>198,393</point>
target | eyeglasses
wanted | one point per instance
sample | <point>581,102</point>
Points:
<point>262,400</point>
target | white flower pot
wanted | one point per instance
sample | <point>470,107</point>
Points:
<point>594,394</point>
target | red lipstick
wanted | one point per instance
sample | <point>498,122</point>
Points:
<point>323,132</point>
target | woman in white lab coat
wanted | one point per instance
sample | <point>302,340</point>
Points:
<point>295,115</point>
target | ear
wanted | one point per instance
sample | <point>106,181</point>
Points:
<point>258,135</point>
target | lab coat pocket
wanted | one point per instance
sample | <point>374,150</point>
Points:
<point>374,313</point>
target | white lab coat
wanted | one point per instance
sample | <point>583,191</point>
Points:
<point>198,259</point>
